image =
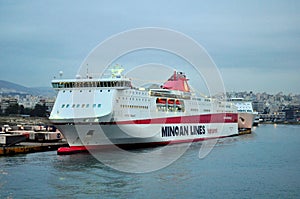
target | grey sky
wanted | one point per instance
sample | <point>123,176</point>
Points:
<point>255,44</point>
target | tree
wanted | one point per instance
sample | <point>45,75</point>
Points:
<point>12,109</point>
<point>39,110</point>
<point>21,109</point>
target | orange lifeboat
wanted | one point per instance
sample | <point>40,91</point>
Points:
<point>161,101</point>
<point>170,101</point>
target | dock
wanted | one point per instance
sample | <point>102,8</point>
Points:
<point>245,131</point>
<point>31,147</point>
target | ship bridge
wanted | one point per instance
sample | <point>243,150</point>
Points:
<point>91,83</point>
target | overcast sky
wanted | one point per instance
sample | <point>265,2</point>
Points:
<point>255,44</point>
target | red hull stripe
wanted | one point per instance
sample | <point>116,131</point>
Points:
<point>195,119</point>
<point>79,149</point>
<point>209,118</point>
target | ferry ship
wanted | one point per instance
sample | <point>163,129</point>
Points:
<point>246,115</point>
<point>94,113</point>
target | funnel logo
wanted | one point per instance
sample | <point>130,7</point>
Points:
<point>128,113</point>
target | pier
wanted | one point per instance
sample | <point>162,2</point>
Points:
<point>31,147</point>
<point>22,135</point>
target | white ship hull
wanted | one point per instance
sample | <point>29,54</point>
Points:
<point>95,135</point>
<point>246,120</point>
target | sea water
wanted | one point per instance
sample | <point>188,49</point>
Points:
<point>264,164</point>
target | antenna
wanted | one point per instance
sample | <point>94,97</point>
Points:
<point>87,71</point>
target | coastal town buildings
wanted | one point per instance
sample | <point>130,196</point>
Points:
<point>26,101</point>
<point>270,107</point>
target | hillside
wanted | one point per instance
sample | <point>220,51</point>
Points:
<point>7,88</point>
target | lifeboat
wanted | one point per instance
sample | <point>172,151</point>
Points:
<point>161,101</point>
<point>170,101</point>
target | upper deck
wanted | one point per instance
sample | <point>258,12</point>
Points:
<point>242,105</point>
<point>114,80</point>
<point>121,83</point>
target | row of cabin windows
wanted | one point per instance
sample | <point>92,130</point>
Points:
<point>91,84</point>
<point>168,108</point>
<point>136,93</point>
<point>249,111</point>
<point>169,95</point>
<point>136,99</point>
<point>80,106</point>
<point>89,91</point>
<point>222,106</point>
<point>134,106</point>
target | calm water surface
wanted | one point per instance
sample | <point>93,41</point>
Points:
<point>265,164</point>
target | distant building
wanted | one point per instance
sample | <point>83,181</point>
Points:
<point>6,102</point>
<point>49,104</point>
<point>292,112</point>
<point>258,106</point>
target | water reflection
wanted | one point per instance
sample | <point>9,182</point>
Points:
<point>99,180</point>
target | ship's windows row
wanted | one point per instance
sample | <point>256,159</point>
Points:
<point>89,91</point>
<point>165,108</point>
<point>135,93</point>
<point>91,84</point>
<point>135,99</point>
<point>80,106</point>
<point>241,110</point>
<point>133,106</point>
<point>206,110</point>
<point>195,109</point>
<point>198,99</point>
